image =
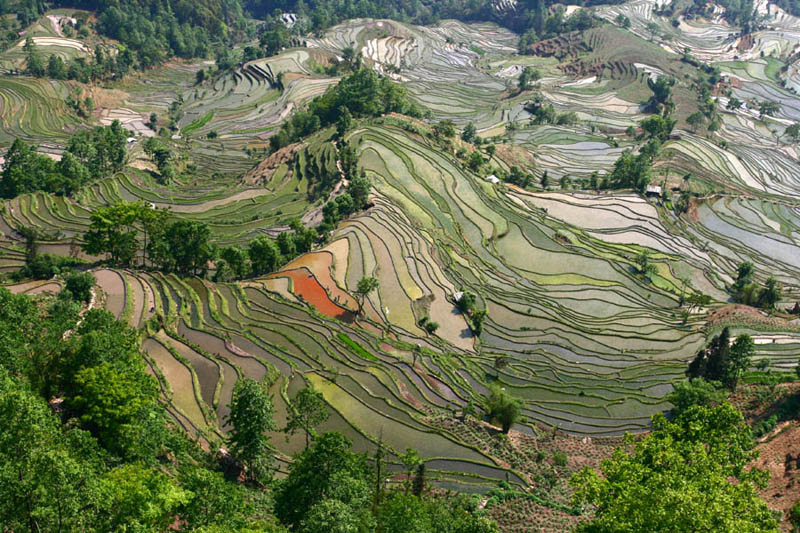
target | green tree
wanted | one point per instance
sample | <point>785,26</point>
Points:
<point>213,501</point>
<point>345,121</point>
<point>769,108</point>
<point>188,249</point>
<point>503,407</point>
<point>237,259</point>
<point>695,391</point>
<point>407,513</point>
<point>112,231</point>
<point>695,120</point>
<point>45,485</point>
<point>138,498</point>
<point>359,191</point>
<point>331,516</point>
<point>80,284</point>
<point>657,126</point>
<point>264,255</point>
<point>475,161</point>
<point>793,132</point>
<point>111,400</point>
<point>308,410</point>
<point>468,135</point>
<point>34,65</point>
<point>740,359</point>
<point>696,465</point>
<point>328,469</point>
<point>365,286</point>
<point>770,294</point>
<point>250,418</point>
<point>527,77</point>
<point>744,275</point>
<point>643,264</point>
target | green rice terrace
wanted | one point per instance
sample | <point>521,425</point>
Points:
<point>589,293</point>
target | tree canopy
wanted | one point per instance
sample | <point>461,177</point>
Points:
<point>696,465</point>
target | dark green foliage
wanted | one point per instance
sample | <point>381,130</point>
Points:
<point>251,417</point>
<point>697,467</point>
<point>469,132</point>
<point>695,391</point>
<point>44,266</point>
<point>264,255</point>
<point>365,286</point>
<point>109,462</point>
<point>185,248</point>
<point>503,407</point>
<point>154,30</point>
<point>748,292</point>
<point>89,155</point>
<point>326,468</point>
<point>722,361</point>
<point>662,92</point>
<point>80,284</point>
<point>363,93</point>
<point>658,126</point>
<point>519,178</point>
<point>631,171</point>
<point>308,410</point>
<point>407,513</point>
<point>237,259</point>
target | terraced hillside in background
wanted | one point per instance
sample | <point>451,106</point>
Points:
<point>592,346</point>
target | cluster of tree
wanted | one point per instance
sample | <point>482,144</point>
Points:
<point>790,6</point>
<point>104,456</point>
<point>264,254</point>
<point>518,177</point>
<point>633,170</point>
<point>545,113</point>
<point>126,229</point>
<point>502,406</point>
<point>538,23</point>
<point>737,12</point>
<point>698,466</point>
<point>24,13</point>
<point>331,489</point>
<point>353,200</point>
<point>361,94</point>
<point>89,155</point>
<point>528,77</point>
<point>161,155</point>
<point>155,30</point>
<point>468,304</point>
<point>102,66</point>
<point>722,361</point>
<point>630,171</point>
<point>749,292</point>
<point>661,100</point>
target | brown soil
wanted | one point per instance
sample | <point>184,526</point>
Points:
<point>570,45</point>
<point>263,172</point>
<point>780,456</point>
<point>107,98</point>
<point>738,314</point>
<point>615,70</point>
<point>779,450</point>
<point>745,43</point>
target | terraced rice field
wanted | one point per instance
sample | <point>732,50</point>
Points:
<point>593,347</point>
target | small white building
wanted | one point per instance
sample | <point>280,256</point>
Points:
<point>653,190</point>
<point>493,179</point>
